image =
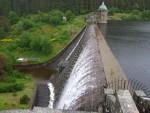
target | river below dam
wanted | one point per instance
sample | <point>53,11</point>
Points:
<point>130,43</point>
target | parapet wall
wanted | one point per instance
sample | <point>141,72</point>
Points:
<point>122,101</point>
<point>111,66</point>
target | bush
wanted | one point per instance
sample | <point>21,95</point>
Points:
<point>8,59</point>
<point>16,74</point>
<point>45,46</point>
<point>27,24</point>
<point>10,82</point>
<point>12,46</point>
<point>10,87</point>
<point>146,15</point>
<point>24,99</point>
<point>25,40</point>
<point>13,17</point>
<point>40,44</point>
<point>131,17</point>
<point>24,24</point>
<point>64,38</point>
<point>69,14</point>
<point>55,17</point>
<point>43,17</point>
<point>136,12</point>
<point>35,43</point>
<point>3,33</point>
<point>113,10</point>
<point>84,11</point>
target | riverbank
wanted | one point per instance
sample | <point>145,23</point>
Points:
<point>134,15</point>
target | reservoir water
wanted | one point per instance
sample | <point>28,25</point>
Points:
<point>130,43</point>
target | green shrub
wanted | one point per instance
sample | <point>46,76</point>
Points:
<point>27,24</point>
<point>10,87</point>
<point>13,17</point>
<point>146,15</point>
<point>64,38</point>
<point>22,25</point>
<point>84,11</point>
<point>16,74</point>
<point>113,10</point>
<point>40,44</point>
<point>25,40</point>
<point>8,59</point>
<point>34,42</point>
<point>43,17</point>
<point>12,46</point>
<point>136,12</point>
<point>55,17</point>
<point>45,45</point>
<point>17,28</point>
<point>69,14</point>
<point>24,99</point>
<point>131,17</point>
<point>3,33</point>
<point>39,17</point>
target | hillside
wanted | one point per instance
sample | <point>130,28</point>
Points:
<point>36,38</point>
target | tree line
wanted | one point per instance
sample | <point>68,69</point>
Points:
<point>77,6</point>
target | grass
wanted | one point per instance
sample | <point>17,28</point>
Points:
<point>117,16</point>
<point>58,36</point>
<point>134,15</point>
<point>11,100</point>
<point>125,16</point>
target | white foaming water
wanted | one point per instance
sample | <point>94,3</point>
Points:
<point>52,95</point>
<point>81,78</point>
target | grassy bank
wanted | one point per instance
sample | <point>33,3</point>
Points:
<point>11,100</point>
<point>38,36</point>
<point>35,37</point>
<point>134,15</point>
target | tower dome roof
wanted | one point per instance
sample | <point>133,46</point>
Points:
<point>102,7</point>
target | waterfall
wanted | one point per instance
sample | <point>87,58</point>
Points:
<point>52,95</point>
<point>86,80</point>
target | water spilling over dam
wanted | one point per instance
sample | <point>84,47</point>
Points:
<point>84,88</point>
<point>78,74</point>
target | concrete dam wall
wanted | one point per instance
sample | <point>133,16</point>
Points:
<point>84,78</point>
<point>82,70</point>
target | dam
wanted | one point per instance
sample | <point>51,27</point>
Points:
<point>84,77</point>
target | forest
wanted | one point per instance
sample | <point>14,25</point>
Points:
<point>77,6</point>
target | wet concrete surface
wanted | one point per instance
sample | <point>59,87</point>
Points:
<point>84,88</point>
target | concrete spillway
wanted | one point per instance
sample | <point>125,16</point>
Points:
<point>84,88</point>
<point>95,64</point>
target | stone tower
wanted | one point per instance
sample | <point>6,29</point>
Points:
<point>102,13</point>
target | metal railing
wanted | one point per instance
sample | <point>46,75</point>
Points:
<point>131,85</point>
